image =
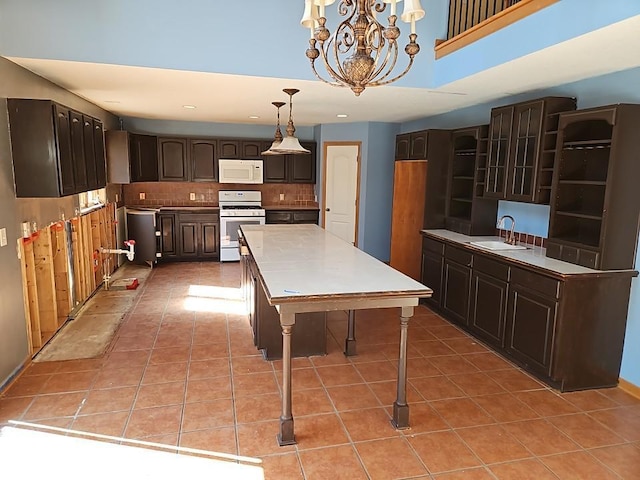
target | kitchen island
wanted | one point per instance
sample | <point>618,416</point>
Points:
<point>303,268</point>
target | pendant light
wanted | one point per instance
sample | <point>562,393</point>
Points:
<point>290,144</point>
<point>277,140</point>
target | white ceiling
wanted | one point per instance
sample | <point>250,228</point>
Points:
<point>160,94</point>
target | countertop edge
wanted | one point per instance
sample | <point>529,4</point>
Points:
<point>586,273</point>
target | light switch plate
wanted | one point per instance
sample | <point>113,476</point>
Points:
<point>3,237</point>
<point>142,196</point>
<point>282,196</point>
<point>192,196</point>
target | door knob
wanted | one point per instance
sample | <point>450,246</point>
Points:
<point>328,209</point>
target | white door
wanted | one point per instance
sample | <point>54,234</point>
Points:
<point>341,187</point>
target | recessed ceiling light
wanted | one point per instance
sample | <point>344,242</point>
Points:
<point>112,101</point>
<point>189,107</point>
<point>342,115</point>
<point>254,117</point>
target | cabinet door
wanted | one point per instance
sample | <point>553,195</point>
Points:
<point>99,154</point>
<point>143,155</point>
<point>488,304</point>
<point>278,217</point>
<point>167,226</point>
<point>498,156</point>
<point>275,168</point>
<point>77,150</point>
<point>527,130</point>
<point>204,160</point>
<point>418,145</point>
<point>209,239</point>
<point>455,295</point>
<point>65,154</point>
<point>302,167</point>
<point>172,158</point>
<point>89,153</point>
<point>402,146</point>
<point>251,149</point>
<point>229,148</point>
<point>530,328</point>
<point>431,275</point>
<point>188,240</point>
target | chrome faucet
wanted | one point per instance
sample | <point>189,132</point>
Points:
<point>510,237</point>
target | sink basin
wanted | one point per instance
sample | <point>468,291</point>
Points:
<point>494,245</point>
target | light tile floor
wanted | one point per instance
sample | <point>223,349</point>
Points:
<point>183,371</point>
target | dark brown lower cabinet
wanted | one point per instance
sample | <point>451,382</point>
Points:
<point>487,307</point>
<point>292,216</point>
<point>567,329</point>
<point>532,325</point>
<point>431,275</point>
<point>456,280</point>
<point>189,235</point>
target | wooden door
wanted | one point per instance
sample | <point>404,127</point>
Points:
<point>409,182</point>
<point>340,193</point>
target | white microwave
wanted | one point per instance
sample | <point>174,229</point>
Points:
<point>239,171</point>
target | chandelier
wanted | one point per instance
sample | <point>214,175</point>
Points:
<point>361,52</point>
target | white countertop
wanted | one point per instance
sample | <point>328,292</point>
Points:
<point>306,261</point>
<point>535,256</point>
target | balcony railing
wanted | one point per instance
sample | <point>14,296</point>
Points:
<point>470,20</point>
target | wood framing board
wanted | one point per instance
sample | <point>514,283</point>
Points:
<point>76,246</point>
<point>96,219</point>
<point>61,271</point>
<point>87,256</point>
<point>45,281</point>
<point>30,293</point>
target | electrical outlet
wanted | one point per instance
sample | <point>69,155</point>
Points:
<point>142,196</point>
<point>3,237</point>
<point>117,198</point>
<point>192,196</point>
<point>281,196</point>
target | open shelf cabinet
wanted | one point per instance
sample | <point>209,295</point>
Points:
<point>596,202</point>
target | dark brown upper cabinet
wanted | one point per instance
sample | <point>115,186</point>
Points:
<point>298,168</point>
<point>51,139</point>
<point>143,156</point>
<point>412,146</point>
<point>467,210</point>
<point>204,160</point>
<point>596,200</point>
<point>521,149</point>
<point>188,159</point>
<point>251,149</point>
<point>173,159</point>
<point>229,149</point>
<point>99,154</point>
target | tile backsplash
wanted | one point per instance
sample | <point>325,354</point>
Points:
<point>179,194</point>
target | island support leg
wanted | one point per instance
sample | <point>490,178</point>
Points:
<point>286,435</point>
<point>350,342</point>
<point>400,408</point>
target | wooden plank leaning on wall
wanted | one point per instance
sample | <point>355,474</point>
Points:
<point>46,277</point>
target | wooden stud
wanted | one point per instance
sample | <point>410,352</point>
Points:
<point>45,282</point>
<point>61,271</point>
<point>30,293</point>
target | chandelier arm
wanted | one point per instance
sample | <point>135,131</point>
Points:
<point>392,48</point>
<point>379,83</point>
<point>338,75</point>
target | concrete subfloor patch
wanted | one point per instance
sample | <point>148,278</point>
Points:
<point>89,334</point>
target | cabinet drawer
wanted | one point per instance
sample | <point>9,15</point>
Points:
<point>491,267</point>
<point>278,217</point>
<point>198,217</point>
<point>433,246</point>
<point>305,216</point>
<point>533,281</point>
<point>588,258</point>
<point>458,255</point>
